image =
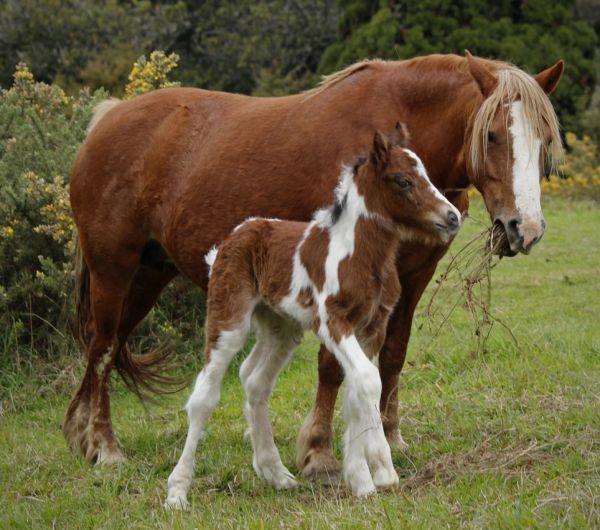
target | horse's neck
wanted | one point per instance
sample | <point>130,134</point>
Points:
<point>436,107</point>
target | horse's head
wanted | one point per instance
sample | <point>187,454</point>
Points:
<point>396,186</point>
<point>514,132</point>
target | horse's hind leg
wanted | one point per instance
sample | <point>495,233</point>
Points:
<point>227,328</point>
<point>97,441</point>
<point>142,293</point>
<point>276,341</point>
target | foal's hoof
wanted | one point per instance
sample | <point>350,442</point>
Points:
<point>395,440</point>
<point>321,466</point>
<point>386,478</point>
<point>177,502</point>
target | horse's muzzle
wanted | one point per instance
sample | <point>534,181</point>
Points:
<point>521,235</point>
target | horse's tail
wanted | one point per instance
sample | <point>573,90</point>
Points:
<point>82,273</point>
<point>81,294</point>
<point>100,110</point>
<point>141,373</point>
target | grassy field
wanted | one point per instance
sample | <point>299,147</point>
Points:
<point>509,437</point>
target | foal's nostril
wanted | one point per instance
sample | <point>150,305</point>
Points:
<point>452,219</point>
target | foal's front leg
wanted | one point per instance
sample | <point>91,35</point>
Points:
<point>367,456</point>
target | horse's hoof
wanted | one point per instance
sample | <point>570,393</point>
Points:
<point>395,440</point>
<point>321,467</point>
<point>110,457</point>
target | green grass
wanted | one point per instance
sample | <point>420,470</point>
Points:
<point>505,438</point>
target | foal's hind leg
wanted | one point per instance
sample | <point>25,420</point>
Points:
<point>230,339</point>
<point>276,341</point>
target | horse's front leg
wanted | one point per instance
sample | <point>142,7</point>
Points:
<point>393,353</point>
<point>314,453</point>
<point>367,456</point>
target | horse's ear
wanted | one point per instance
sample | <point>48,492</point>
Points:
<point>548,79</point>
<point>485,79</point>
<point>400,136</point>
<point>380,152</point>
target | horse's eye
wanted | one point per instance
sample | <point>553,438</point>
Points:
<point>491,137</point>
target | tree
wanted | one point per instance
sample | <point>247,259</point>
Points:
<point>531,34</point>
<point>83,42</point>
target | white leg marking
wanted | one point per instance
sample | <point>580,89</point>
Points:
<point>258,373</point>
<point>199,407</point>
<point>366,450</point>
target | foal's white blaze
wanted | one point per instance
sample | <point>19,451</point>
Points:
<point>445,204</point>
<point>526,169</point>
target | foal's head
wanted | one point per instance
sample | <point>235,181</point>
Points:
<point>395,185</point>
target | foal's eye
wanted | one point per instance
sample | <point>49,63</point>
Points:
<point>491,137</point>
<point>400,181</point>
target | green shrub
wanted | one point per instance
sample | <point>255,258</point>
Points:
<point>40,130</point>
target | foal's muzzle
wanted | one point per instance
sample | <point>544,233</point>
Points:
<point>449,223</point>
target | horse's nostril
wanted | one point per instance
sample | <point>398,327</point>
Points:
<point>513,227</point>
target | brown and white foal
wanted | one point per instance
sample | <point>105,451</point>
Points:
<point>336,275</point>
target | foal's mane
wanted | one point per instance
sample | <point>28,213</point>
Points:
<point>513,84</point>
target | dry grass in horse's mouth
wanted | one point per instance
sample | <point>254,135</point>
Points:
<point>467,281</point>
<point>498,241</point>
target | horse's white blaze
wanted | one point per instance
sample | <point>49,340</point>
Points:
<point>526,168</point>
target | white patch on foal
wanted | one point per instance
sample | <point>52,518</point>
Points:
<point>526,169</point>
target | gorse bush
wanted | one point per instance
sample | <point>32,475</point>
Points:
<point>148,74</point>
<point>40,130</point>
<point>580,170</point>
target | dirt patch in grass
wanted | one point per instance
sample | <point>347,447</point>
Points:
<point>511,460</point>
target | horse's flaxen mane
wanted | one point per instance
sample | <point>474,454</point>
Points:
<point>333,79</point>
<point>515,84</point>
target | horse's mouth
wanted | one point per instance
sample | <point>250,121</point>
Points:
<point>499,241</point>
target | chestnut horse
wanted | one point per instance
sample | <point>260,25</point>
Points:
<point>336,275</point>
<point>163,177</point>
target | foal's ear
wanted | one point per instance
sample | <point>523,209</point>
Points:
<point>400,136</point>
<point>380,152</point>
<point>548,79</point>
<point>485,79</point>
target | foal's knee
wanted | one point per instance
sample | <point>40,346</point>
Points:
<point>257,390</point>
<point>368,382</point>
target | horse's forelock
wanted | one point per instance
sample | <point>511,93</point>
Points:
<point>515,84</point>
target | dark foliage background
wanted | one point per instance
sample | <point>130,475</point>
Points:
<point>277,46</point>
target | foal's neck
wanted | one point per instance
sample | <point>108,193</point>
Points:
<point>369,237</point>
